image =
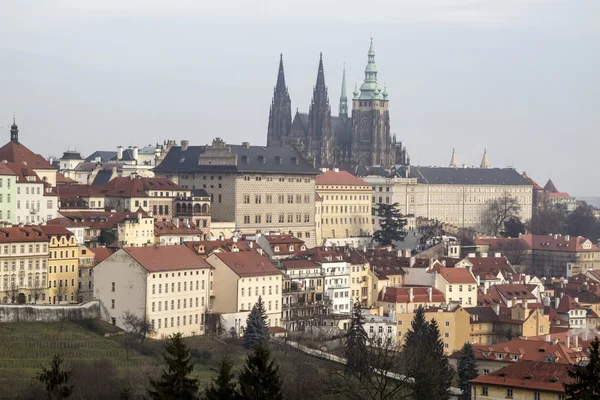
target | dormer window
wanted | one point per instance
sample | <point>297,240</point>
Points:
<point>261,159</point>
<point>245,159</point>
<point>276,249</point>
<point>277,159</point>
<point>303,247</point>
<point>294,160</point>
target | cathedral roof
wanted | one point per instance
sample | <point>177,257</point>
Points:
<point>258,159</point>
<point>341,127</point>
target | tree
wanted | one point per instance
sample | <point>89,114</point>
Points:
<point>140,327</point>
<point>513,227</point>
<point>586,379</point>
<point>37,290</point>
<point>259,378</point>
<point>257,328</point>
<point>466,236</point>
<point>425,361</point>
<point>499,210</point>
<point>55,379</point>
<point>547,218</point>
<point>223,386</point>
<point>582,222</point>
<point>174,382</point>
<point>391,224</point>
<point>355,343</point>
<point>13,291</point>
<point>467,370</point>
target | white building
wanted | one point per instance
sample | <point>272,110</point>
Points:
<point>36,201</point>
<point>170,285</point>
<point>337,284</point>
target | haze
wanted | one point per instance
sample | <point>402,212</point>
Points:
<point>520,78</point>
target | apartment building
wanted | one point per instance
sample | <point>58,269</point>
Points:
<point>458,285</point>
<point>168,285</point>
<point>63,264</point>
<point>456,196</point>
<point>36,200</point>
<point>393,301</point>
<point>262,189</point>
<point>345,208</point>
<point>280,246</point>
<point>240,278</point>
<point>24,264</point>
<point>8,196</point>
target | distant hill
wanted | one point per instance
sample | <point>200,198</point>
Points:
<point>592,201</point>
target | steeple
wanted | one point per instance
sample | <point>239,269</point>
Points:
<point>370,89</point>
<point>280,112</point>
<point>484,161</point>
<point>14,131</point>
<point>319,120</point>
<point>453,160</point>
<point>320,75</point>
<point>343,97</point>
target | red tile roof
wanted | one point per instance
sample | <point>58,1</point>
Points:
<point>4,170</point>
<point>61,179</point>
<point>547,242</point>
<point>24,173</point>
<point>166,258</point>
<point>511,290</point>
<point>566,304</point>
<point>55,230</point>
<point>493,265</point>
<point>248,264</point>
<point>169,228</point>
<point>532,375</point>
<point>16,234</point>
<point>15,152</point>
<point>94,219</point>
<point>549,187</point>
<point>558,195</point>
<point>340,178</point>
<point>402,295</point>
<point>457,275</point>
<point>207,247</point>
<point>100,253</point>
<point>139,186</point>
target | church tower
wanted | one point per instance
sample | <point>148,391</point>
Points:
<point>319,121</point>
<point>371,136</point>
<point>280,113</point>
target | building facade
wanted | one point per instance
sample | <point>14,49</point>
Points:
<point>8,205</point>
<point>63,264</point>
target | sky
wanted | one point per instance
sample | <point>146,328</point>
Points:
<point>520,78</point>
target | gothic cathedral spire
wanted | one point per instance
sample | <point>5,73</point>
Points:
<point>343,97</point>
<point>319,120</point>
<point>280,113</point>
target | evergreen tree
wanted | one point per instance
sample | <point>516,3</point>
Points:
<point>174,382</point>
<point>467,370</point>
<point>586,379</point>
<point>441,379</point>
<point>259,378</point>
<point>355,349</point>
<point>257,328</point>
<point>391,223</point>
<point>223,386</point>
<point>56,380</point>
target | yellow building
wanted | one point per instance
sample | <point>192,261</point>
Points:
<point>363,281</point>
<point>451,321</point>
<point>345,206</point>
<point>136,230</point>
<point>63,264</point>
<point>23,264</point>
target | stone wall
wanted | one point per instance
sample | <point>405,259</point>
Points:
<point>48,313</point>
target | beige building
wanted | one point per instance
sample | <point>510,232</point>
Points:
<point>136,230</point>
<point>458,285</point>
<point>263,189</point>
<point>240,279</point>
<point>456,196</point>
<point>63,264</point>
<point>345,209</point>
<point>168,285</point>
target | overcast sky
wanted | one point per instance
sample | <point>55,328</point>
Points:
<point>518,77</point>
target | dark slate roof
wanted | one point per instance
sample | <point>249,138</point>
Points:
<point>71,155</point>
<point>187,161</point>
<point>127,156</point>
<point>340,127</point>
<point>103,177</point>
<point>454,176</point>
<point>200,193</point>
<point>104,156</point>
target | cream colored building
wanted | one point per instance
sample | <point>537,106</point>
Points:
<point>136,230</point>
<point>63,264</point>
<point>262,189</point>
<point>458,285</point>
<point>345,209</point>
<point>240,279</point>
<point>456,196</point>
<point>168,285</point>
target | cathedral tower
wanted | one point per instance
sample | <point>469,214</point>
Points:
<point>371,137</point>
<point>280,113</point>
<point>319,121</point>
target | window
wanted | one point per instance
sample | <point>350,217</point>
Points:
<point>257,198</point>
<point>447,323</point>
<point>246,219</point>
<point>486,371</point>
<point>112,303</point>
<point>268,218</point>
<point>113,287</point>
<point>257,219</point>
<point>269,199</point>
<point>246,199</point>
<point>537,396</point>
<point>281,218</point>
<point>509,393</point>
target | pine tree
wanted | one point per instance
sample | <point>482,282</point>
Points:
<point>56,380</point>
<point>223,386</point>
<point>259,378</point>
<point>355,344</point>
<point>442,376</point>
<point>174,382</point>
<point>257,328</point>
<point>391,223</point>
<point>467,370</point>
<point>586,379</point>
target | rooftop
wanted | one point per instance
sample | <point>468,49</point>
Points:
<point>166,258</point>
<point>248,264</point>
<point>340,177</point>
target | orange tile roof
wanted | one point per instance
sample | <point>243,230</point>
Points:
<point>457,275</point>
<point>166,258</point>
<point>170,228</point>
<point>15,152</point>
<point>547,242</point>
<point>55,230</point>
<point>4,170</point>
<point>532,375</point>
<point>391,294</point>
<point>248,264</point>
<point>16,234</point>
<point>100,253</point>
<point>60,178</point>
<point>558,195</point>
<point>340,178</point>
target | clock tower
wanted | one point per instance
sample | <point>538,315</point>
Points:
<point>371,137</point>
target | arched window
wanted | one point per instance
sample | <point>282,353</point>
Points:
<point>197,208</point>
<point>178,207</point>
<point>183,208</point>
<point>205,208</point>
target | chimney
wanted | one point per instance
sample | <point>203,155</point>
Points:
<point>568,341</point>
<point>555,236</point>
<point>484,255</point>
<point>336,170</point>
<point>567,238</point>
<point>399,253</point>
<point>576,299</point>
<point>429,294</point>
<point>412,262</point>
<point>576,340</point>
<point>478,280</point>
<point>484,289</point>
<point>556,302</point>
<point>176,222</point>
<point>547,338</point>
<point>410,295</point>
<point>134,152</point>
<point>444,263</point>
<point>119,152</point>
<point>184,145</point>
<point>246,145</point>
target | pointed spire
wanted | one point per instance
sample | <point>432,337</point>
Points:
<point>280,75</point>
<point>343,97</point>
<point>453,163</point>
<point>14,131</point>
<point>370,89</point>
<point>484,161</point>
<point>320,74</point>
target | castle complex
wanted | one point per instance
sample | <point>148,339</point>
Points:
<point>363,138</point>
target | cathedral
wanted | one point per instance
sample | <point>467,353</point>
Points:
<point>363,138</point>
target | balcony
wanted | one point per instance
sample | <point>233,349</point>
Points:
<point>337,273</point>
<point>191,214</point>
<point>338,286</point>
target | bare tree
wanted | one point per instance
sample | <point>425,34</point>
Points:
<point>214,323</point>
<point>500,210</point>
<point>140,327</point>
<point>61,292</point>
<point>37,290</point>
<point>515,252</point>
<point>13,291</point>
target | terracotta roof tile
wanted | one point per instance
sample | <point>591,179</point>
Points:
<point>166,258</point>
<point>341,177</point>
<point>457,275</point>
<point>15,152</point>
<point>16,234</point>
<point>100,253</point>
<point>248,264</point>
<point>390,294</point>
